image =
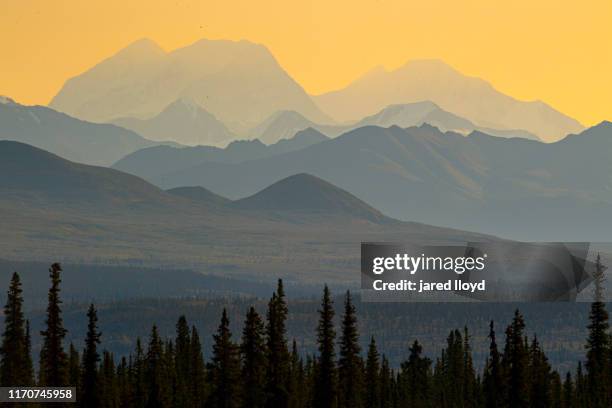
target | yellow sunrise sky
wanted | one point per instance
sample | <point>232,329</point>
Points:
<point>558,51</point>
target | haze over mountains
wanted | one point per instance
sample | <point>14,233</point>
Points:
<point>238,82</point>
<point>237,90</point>
<point>183,121</point>
<point>283,125</point>
<point>514,188</point>
<point>433,80</point>
<point>77,140</point>
<point>159,160</point>
<point>302,228</point>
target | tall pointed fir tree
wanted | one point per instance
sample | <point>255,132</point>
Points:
<point>277,375</point>
<point>156,379</point>
<point>15,359</point>
<point>415,378</point>
<point>372,377</point>
<point>540,376</point>
<point>90,395</point>
<point>297,391</point>
<point>253,356</point>
<point>598,345</point>
<point>53,359</point>
<point>386,384</point>
<point>350,364</point>
<point>182,363</point>
<point>326,388</point>
<point>138,376</point>
<point>197,371</point>
<point>109,391</point>
<point>493,381</point>
<point>515,363</point>
<point>225,368</point>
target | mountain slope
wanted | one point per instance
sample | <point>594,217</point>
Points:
<point>66,136</point>
<point>516,188</point>
<point>153,162</point>
<point>25,169</point>
<point>418,113</point>
<point>54,209</point>
<point>182,121</point>
<point>432,80</point>
<point>306,193</point>
<point>238,82</point>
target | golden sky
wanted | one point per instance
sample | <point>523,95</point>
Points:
<point>559,51</point>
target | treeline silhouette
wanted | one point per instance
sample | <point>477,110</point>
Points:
<point>259,368</point>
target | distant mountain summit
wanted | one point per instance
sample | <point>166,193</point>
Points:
<point>183,121</point>
<point>433,80</point>
<point>426,112</point>
<point>306,193</point>
<point>74,139</point>
<point>238,82</point>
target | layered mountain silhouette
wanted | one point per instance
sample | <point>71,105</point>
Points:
<point>419,113</point>
<point>61,134</point>
<point>515,188</point>
<point>159,160</point>
<point>183,121</point>
<point>432,80</point>
<point>286,123</point>
<point>238,82</point>
<point>302,226</point>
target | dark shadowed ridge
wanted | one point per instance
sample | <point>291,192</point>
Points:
<point>303,192</point>
<point>200,195</point>
<point>27,169</point>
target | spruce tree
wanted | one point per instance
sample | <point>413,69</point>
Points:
<point>515,362</point>
<point>277,350</point>
<point>15,360</point>
<point>493,381</point>
<point>225,368</point>
<point>108,390</point>
<point>124,389</point>
<point>53,359</point>
<point>539,377</point>
<point>182,363</point>
<point>568,398</point>
<point>598,345</point>
<point>253,355</point>
<point>197,371</point>
<point>156,373</point>
<point>90,395</point>
<point>415,378</point>
<point>386,384</point>
<point>326,393</point>
<point>138,376</point>
<point>350,364</point>
<point>372,377</point>
<point>297,394</point>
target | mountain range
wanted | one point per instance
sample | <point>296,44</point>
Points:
<point>515,188</point>
<point>101,144</point>
<point>286,123</point>
<point>432,80</point>
<point>238,82</point>
<point>155,161</point>
<point>183,121</point>
<point>302,227</point>
<point>237,89</point>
